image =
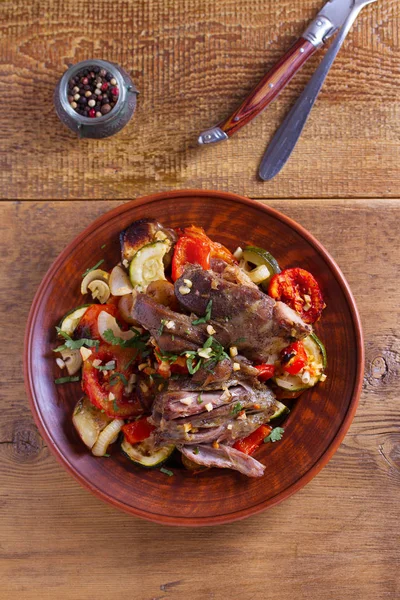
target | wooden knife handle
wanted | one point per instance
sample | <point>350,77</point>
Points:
<point>270,86</point>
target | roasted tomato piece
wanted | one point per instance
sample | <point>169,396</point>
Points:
<point>195,251</point>
<point>294,358</point>
<point>87,327</point>
<point>299,289</point>
<point>106,388</point>
<point>217,249</point>
<point>253,441</point>
<point>265,371</point>
<point>138,430</point>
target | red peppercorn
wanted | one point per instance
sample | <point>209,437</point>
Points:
<point>92,113</point>
<point>104,87</point>
<point>115,91</point>
<point>85,81</point>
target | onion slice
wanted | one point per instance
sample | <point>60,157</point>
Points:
<point>107,437</point>
<point>120,284</point>
<point>106,321</point>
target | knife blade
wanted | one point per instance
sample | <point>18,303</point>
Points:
<point>287,136</point>
<point>329,19</point>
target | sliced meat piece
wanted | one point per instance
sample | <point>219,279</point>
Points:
<point>221,373</point>
<point>224,457</point>
<point>242,316</point>
<point>233,416</point>
<point>183,403</point>
<point>179,336</point>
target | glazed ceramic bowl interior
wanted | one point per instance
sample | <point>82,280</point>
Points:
<point>319,418</point>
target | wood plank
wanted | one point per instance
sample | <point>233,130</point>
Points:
<point>193,63</point>
<point>336,538</point>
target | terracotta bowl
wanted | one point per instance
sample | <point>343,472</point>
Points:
<point>316,425</point>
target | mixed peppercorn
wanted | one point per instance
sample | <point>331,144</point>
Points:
<point>93,92</point>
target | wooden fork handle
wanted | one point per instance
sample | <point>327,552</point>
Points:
<point>265,92</point>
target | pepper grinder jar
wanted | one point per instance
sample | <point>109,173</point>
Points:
<point>98,125</point>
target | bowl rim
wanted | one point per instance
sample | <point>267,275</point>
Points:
<point>261,506</point>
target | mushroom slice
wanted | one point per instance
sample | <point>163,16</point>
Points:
<point>98,274</point>
<point>100,290</point>
<point>120,284</point>
<point>73,360</point>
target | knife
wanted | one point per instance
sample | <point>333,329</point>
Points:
<point>328,21</point>
<point>286,137</point>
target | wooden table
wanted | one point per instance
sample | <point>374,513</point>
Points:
<point>339,537</point>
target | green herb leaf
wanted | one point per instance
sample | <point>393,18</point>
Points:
<point>166,472</point>
<point>138,341</point>
<point>96,266</point>
<point>109,367</point>
<point>236,408</point>
<point>106,455</point>
<point>199,399</point>
<point>207,315</point>
<point>74,344</point>
<point>161,328</point>
<point>115,406</point>
<point>196,450</point>
<point>117,376</point>
<point>67,379</point>
<point>208,343</point>
<point>275,435</point>
<point>103,246</point>
<point>191,367</point>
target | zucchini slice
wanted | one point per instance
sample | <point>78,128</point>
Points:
<point>148,264</point>
<point>70,321</point>
<point>317,360</point>
<point>144,455</point>
<point>261,257</point>
<point>281,410</point>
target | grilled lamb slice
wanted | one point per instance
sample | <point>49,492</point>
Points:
<point>242,316</point>
<point>183,403</point>
<point>224,457</point>
<point>229,415</point>
<point>178,336</point>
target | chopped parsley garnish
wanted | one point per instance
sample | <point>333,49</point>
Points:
<point>138,341</point>
<point>115,406</point>
<point>67,379</point>
<point>103,246</point>
<point>275,435</point>
<point>117,376</point>
<point>96,266</point>
<point>166,472</point>
<point>106,455</point>
<point>236,409</point>
<point>108,367</point>
<point>207,315</point>
<point>74,344</point>
<point>166,356</point>
<point>193,366</point>
<point>196,450</point>
<point>161,328</point>
<point>199,399</point>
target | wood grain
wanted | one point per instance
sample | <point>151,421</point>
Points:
<point>194,62</point>
<point>337,538</point>
<point>270,86</point>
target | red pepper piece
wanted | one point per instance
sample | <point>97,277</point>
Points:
<point>138,430</point>
<point>294,358</point>
<point>249,444</point>
<point>265,371</point>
